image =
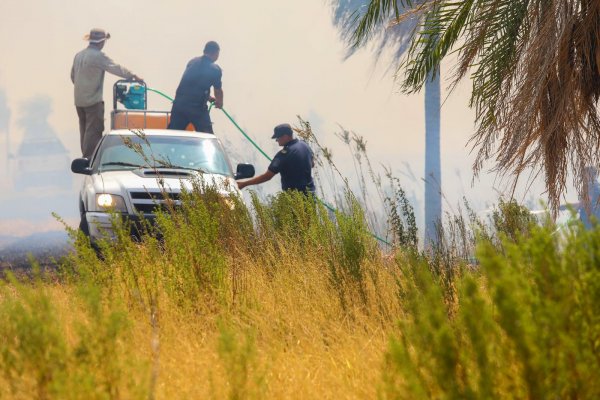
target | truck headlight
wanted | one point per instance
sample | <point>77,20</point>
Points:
<point>110,202</point>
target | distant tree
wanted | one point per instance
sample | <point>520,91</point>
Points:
<point>535,70</point>
<point>4,127</point>
<point>383,34</point>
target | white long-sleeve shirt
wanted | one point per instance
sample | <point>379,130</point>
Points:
<point>87,75</point>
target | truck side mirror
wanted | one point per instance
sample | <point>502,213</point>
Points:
<point>244,171</point>
<point>81,166</point>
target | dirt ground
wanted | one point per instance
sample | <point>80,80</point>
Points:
<point>46,248</point>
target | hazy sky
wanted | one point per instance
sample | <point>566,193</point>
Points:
<point>280,59</point>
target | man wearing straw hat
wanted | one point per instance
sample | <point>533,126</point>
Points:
<point>87,75</point>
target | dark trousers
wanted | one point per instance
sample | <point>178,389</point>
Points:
<point>183,114</point>
<point>91,126</point>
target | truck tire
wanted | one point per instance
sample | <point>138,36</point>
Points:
<point>83,224</point>
<point>84,227</point>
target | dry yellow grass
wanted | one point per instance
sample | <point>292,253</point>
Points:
<point>306,345</point>
<point>303,344</point>
<point>265,320</point>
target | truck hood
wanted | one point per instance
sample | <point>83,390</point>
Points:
<point>171,180</point>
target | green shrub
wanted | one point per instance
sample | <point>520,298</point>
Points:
<point>39,360</point>
<point>238,359</point>
<point>526,325</point>
<point>350,246</point>
<point>33,342</point>
<point>512,220</point>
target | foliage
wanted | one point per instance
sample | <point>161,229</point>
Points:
<point>523,326</point>
<point>512,220</point>
<point>346,15</point>
<point>285,299</point>
<point>47,354</point>
<point>535,72</point>
<point>238,359</point>
<point>402,218</point>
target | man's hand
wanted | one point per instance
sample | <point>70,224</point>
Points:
<point>216,102</point>
<point>256,180</point>
<point>137,78</point>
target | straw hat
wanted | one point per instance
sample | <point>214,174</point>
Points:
<point>97,36</point>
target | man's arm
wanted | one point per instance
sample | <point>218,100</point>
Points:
<point>219,98</point>
<point>73,73</point>
<point>257,179</point>
<point>218,87</point>
<point>107,64</point>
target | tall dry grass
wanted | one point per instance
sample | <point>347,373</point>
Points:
<point>285,302</point>
<point>285,299</point>
<point>292,305</point>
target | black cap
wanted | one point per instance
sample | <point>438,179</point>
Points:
<point>282,129</point>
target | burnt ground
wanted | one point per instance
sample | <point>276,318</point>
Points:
<point>46,248</point>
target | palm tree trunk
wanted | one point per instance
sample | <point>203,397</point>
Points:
<point>433,172</point>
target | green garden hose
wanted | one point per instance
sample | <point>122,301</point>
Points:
<point>329,207</point>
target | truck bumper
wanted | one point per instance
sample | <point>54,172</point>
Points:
<point>103,225</point>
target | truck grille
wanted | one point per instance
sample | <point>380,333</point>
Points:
<point>150,202</point>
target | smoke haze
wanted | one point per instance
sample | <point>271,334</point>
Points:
<point>280,60</point>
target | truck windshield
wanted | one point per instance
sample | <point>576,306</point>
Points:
<point>131,152</point>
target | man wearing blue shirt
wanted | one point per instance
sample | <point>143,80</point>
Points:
<point>589,207</point>
<point>294,162</point>
<point>193,93</point>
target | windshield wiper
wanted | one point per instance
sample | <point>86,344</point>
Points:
<point>121,164</point>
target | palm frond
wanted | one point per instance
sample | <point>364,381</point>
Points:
<point>383,31</point>
<point>535,71</point>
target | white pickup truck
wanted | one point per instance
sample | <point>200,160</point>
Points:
<point>131,171</point>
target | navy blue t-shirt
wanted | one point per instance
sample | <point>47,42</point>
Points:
<point>294,162</point>
<point>200,74</point>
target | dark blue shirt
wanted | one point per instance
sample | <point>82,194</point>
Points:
<point>594,208</point>
<point>294,162</point>
<point>200,74</point>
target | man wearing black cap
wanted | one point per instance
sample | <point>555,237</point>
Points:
<point>193,92</point>
<point>87,75</point>
<point>294,162</point>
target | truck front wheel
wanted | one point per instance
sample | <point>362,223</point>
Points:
<point>83,224</point>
